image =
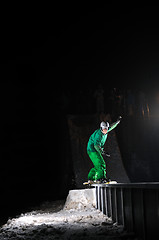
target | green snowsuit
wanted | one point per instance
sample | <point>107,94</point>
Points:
<point>94,149</point>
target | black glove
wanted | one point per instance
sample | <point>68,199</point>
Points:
<point>105,154</point>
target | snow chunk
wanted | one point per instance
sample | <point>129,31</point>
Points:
<point>80,199</point>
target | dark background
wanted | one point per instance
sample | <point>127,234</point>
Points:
<point>52,60</point>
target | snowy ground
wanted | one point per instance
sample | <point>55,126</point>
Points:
<point>52,221</point>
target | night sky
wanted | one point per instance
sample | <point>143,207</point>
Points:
<point>48,53</point>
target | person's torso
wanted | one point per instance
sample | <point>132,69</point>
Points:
<point>96,137</point>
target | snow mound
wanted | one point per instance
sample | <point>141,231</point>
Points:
<point>80,199</point>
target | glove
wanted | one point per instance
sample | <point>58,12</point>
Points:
<point>105,154</point>
<point>119,118</point>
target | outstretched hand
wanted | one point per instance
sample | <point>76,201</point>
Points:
<point>119,119</point>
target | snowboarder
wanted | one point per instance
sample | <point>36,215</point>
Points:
<point>95,150</point>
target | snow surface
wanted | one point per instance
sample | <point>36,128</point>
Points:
<point>52,221</point>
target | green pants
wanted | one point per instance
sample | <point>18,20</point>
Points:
<point>99,170</point>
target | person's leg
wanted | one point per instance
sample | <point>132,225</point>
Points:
<point>100,167</point>
<point>99,170</point>
<point>91,174</point>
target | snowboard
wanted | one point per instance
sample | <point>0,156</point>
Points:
<point>90,183</point>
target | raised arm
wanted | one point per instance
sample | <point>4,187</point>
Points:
<point>113,125</point>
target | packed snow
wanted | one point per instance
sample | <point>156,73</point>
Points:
<point>55,221</point>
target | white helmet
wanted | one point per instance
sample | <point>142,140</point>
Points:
<point>104,125</point>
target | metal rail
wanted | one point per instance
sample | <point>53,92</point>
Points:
<point>133,205</point>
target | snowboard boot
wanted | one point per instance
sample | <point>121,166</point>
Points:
<point>90,182</point>
<point>102,180</point>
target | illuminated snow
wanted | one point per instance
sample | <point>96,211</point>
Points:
<point>65,224</point>
<point>74,220</point>
<point>64,216</point>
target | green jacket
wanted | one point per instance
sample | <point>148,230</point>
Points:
<point>97,139</point>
